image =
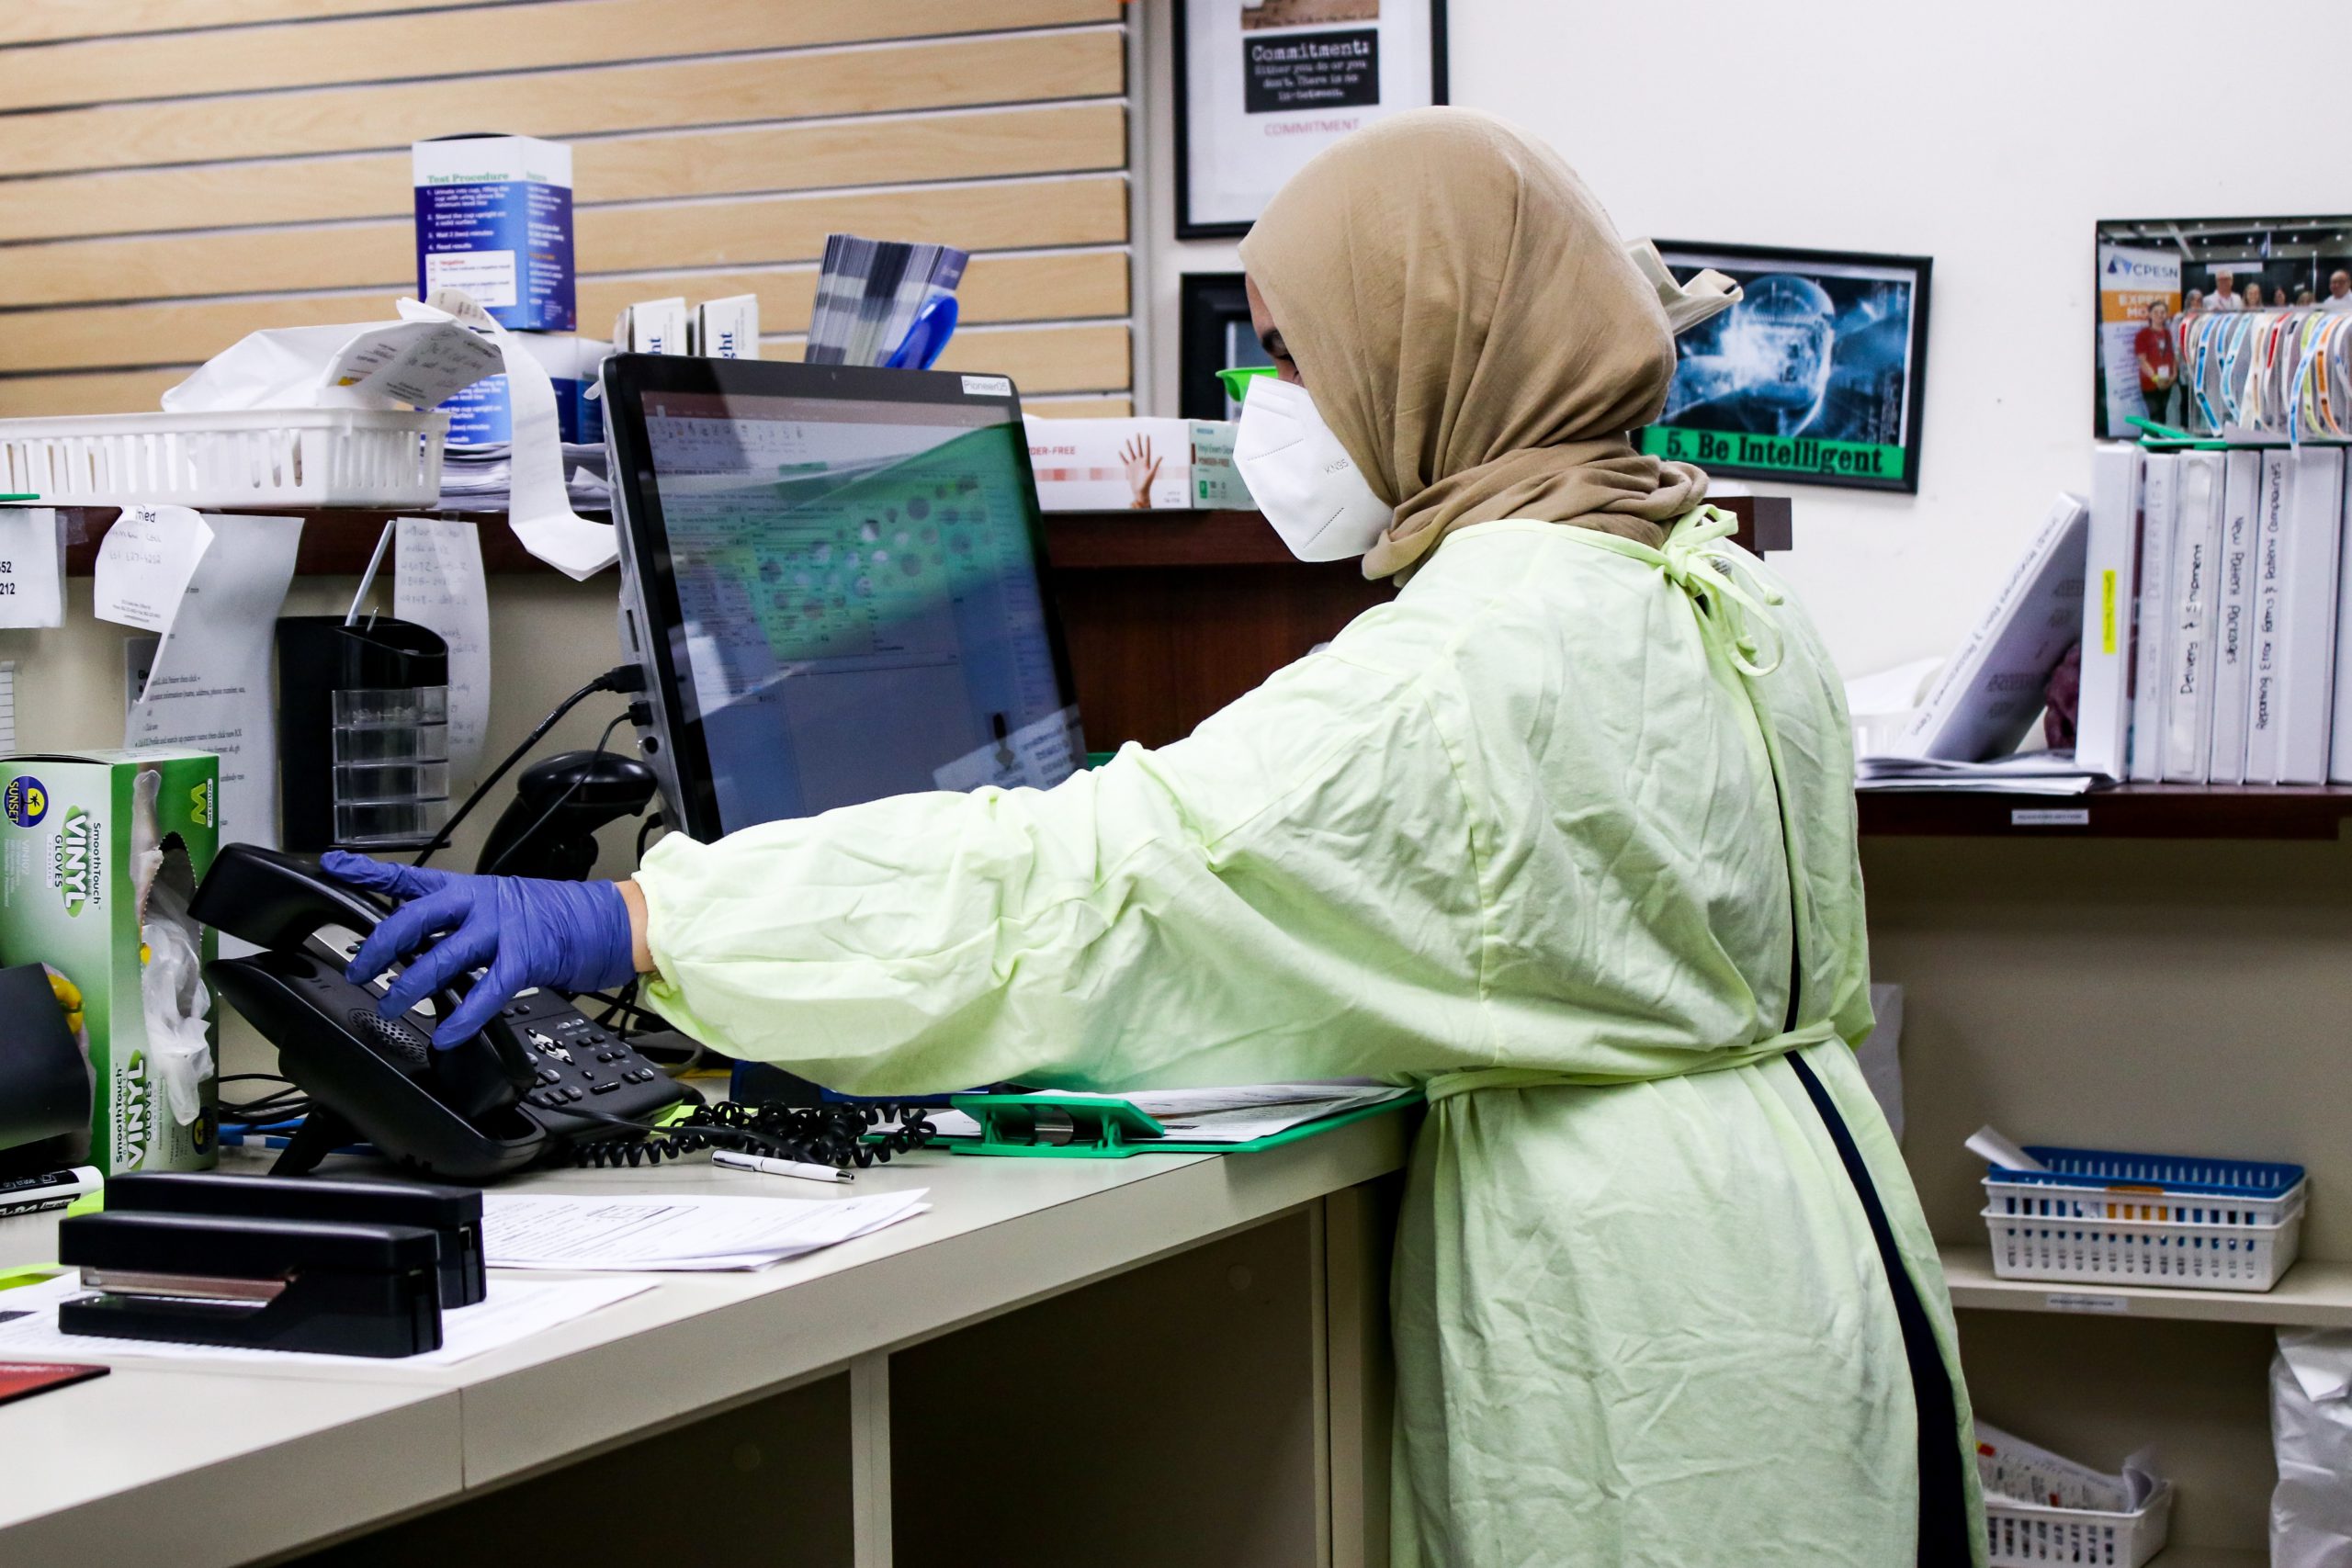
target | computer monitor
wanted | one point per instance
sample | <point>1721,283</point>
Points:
<point>831,575</point>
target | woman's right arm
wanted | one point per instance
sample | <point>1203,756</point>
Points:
<point>1288,894</point>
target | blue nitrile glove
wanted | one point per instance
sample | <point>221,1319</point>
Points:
<point>528,932</point>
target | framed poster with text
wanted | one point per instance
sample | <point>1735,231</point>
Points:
<point>1814,376</point>
<point>1262,86</point>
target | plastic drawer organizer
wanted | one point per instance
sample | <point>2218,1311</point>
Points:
<point>2023,1535</point>
<point>2103,1216</point>
<point>257,457</point>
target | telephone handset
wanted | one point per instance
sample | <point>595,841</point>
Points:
<point>540,1076</point>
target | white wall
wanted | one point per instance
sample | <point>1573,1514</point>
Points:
<point>1989,135</point>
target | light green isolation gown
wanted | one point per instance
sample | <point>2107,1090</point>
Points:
<point>1515,837</point>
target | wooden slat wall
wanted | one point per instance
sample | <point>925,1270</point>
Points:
<point>174,173</point>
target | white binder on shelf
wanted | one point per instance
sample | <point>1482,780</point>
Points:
<point>2110,591</point>
<point>2233,619</point>
<point>2314,536</point>
<point>1981,704</point>
<point>2187,700</point>
<point>2263,712</point>
<point>2339,740</point>
<point>2150,646</point>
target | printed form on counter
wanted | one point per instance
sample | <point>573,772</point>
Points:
<point>204,681</point>
<point>513,1311</point>
<point>690,1231</point>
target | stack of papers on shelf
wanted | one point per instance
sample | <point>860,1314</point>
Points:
<point>480,478</point>
<point>2016,1470</point>
<point>513,1311</point>
<point>2026,773</point>
<point>530,1230</point>
<point>1233,1115</point>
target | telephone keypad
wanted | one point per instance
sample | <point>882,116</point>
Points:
<point>572,1058</point>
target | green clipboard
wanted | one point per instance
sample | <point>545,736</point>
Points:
<point>1012,1126</point>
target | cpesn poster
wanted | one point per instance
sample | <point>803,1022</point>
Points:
<point>1262,86</point>
<point>2139,295</point>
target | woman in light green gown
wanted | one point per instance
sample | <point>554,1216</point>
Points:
<point>1564,834</point>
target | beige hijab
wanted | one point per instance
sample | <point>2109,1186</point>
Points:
<point>1470,327</point>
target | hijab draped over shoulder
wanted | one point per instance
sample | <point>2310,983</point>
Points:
<point>1469,325</point>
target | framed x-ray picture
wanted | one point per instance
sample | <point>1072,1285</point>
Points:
<point>1262,86</point>
<point>1814,376</point>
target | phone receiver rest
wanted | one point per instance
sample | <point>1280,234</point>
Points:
<point>449,1112</point>
<point>540,1078</point>
<point>277,900</point>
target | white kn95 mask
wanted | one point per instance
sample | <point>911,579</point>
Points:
<point>1301,478</point>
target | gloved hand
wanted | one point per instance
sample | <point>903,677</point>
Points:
<point>571,935</point>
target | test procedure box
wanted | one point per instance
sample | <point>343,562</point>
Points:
<point>493,218</point>
<point>71,831</point>
<point>1138,464</point>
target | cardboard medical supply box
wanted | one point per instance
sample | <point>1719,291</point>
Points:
<point>493,218</point>
<point>100,852</point>
<point>1123,464</point>
<point>653,326</point>
<point>728,328</point>
<point>480,416</point>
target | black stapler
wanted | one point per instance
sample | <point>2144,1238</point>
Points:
<point>452,1214</point>
<point>347,1289</point>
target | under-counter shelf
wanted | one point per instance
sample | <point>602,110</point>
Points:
<point>2211,1557</point>
<point>2314,1294</point>
<point>2126,811</point>
<point>340,539</point>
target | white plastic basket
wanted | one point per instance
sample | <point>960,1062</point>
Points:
<point>253,458</point>
<point>2105,1216</point>
<point>2028,1535</point>
<point>2180,1255</point>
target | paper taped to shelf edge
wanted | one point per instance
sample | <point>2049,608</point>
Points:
<point>144,564</point>
<point>538,506</point>
<point>206,683</point>
<point>437,583</point>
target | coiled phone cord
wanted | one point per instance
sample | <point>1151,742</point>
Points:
<point>835,1134</point>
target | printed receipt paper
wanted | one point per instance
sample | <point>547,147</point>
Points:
<point>32,569</point>
<point>437,583</point>
<point>144,565</point>
<point>538,504</point>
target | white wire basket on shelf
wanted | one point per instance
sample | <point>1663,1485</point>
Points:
<point>2107,1216</point>
<point>2029,1535</point>
<point>243,458</point>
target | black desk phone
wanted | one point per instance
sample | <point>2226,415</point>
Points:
<point>539,1079</point>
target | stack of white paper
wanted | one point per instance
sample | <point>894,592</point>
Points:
<point>692,1231</point>
<point>2019,1471</point>
<point>512,1312</point>
<point>480,479</point>
<point>2026,773</point>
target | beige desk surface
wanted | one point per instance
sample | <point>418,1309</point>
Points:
<point>132,1456</point>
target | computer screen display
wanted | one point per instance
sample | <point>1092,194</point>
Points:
<point>843,589</point>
